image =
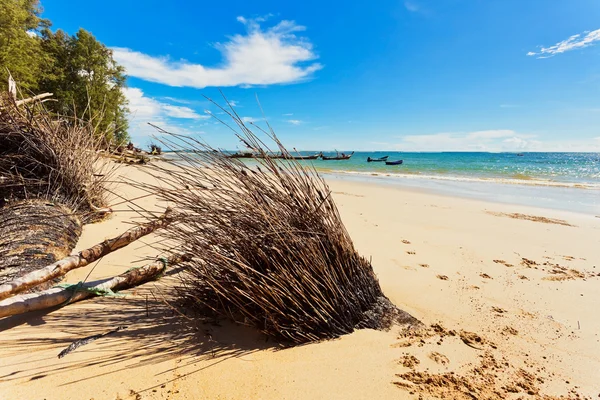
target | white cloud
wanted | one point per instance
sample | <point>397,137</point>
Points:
<point>491,140</point>
<point>288,114</point>
<point>488,140</point>
<point>294,121</point>
<point>411,6</point>
<point>259,57</point>
<point>250,119</point>
<point>144,110</point>
<point>142,106</point>
<point>578,41</point>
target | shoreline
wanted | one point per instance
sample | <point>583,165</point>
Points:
<point>572,199</point>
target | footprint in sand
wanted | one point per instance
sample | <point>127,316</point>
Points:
<point>486,276</point>
<point>510,331</point>
<point>498,310</point>
<point>409,361</point>
<point>442,277</point>
<point>503,263</point>
<point>424,265</point>
<point>439,358</point>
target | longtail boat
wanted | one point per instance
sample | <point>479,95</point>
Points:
<point>380,159</point>
<point>399,162</point>
<point>245,154</point>
<point>293,157</point>
<point>339,156</point>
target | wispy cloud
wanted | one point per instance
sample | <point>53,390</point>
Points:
<point>144,109</point>
<point>288,114</point>
<point>294,121</point>
<point>251,119</point>
<point>487,140</point>
<point>412,6</point>
<point>259,57</point>
<point>578,41</point>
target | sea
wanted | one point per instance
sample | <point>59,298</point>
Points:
<point>561,181</point>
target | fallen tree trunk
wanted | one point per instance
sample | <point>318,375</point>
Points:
<point>34,234</point>
<point>82,258</point>
<point>77,292</point>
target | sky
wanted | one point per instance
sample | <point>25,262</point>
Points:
<point>407,75</point>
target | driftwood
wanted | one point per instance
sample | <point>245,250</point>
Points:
<point>63,296</point>
<point>82,258</point>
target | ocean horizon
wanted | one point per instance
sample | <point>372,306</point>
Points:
<point>562,181</point>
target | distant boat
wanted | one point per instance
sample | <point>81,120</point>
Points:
<point>520,155</point>
<point>394,162</point>
<point>339,156</point>
<point>380,159</point>
<point>245,154</point>
<point>293,157</point>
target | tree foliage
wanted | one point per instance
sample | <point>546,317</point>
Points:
<point>20,49</point>
<point>86,81</point>
<point>79,70</point>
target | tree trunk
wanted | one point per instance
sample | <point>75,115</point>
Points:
<point>62,296</point>
<point>34,234</point>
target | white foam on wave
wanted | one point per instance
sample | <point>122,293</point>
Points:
<point>508,181</point>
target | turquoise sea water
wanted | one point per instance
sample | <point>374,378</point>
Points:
<point>563,181</point>
<point>550,169</point>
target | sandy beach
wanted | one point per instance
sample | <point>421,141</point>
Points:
<point>508,294</point>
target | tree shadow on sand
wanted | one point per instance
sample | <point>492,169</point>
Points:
<point>153,333</point>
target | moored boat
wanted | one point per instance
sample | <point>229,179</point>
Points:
<point>339,156</point>
<point>394,162</point>
<point>380,159</point>
<point>293,157</point>
<point>246,154</point>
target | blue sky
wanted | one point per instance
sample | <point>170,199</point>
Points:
<point>412,75</point>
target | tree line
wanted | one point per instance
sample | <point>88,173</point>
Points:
<point>79,70</point>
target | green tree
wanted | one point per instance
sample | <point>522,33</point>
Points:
<point>20,47</point>
<point>86,81</point>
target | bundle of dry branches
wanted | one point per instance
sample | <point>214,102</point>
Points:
<point>268,247</point>
<point>51,183</point>
<point>49,157</point>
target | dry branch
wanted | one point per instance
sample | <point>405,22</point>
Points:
<point>62,296</point>
<point>33,99</point>
<point>82,258</point>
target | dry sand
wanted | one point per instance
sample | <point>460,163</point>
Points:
<point>509,294</point>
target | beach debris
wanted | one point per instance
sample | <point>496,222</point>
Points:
<point>405,241</point>
<point>411,252</point>
<point>486,276</point>
<point>82,342</point>
<point>268,247</point>
<point>443,277</point>
<point>67,294</point>
<point>83,258</point>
